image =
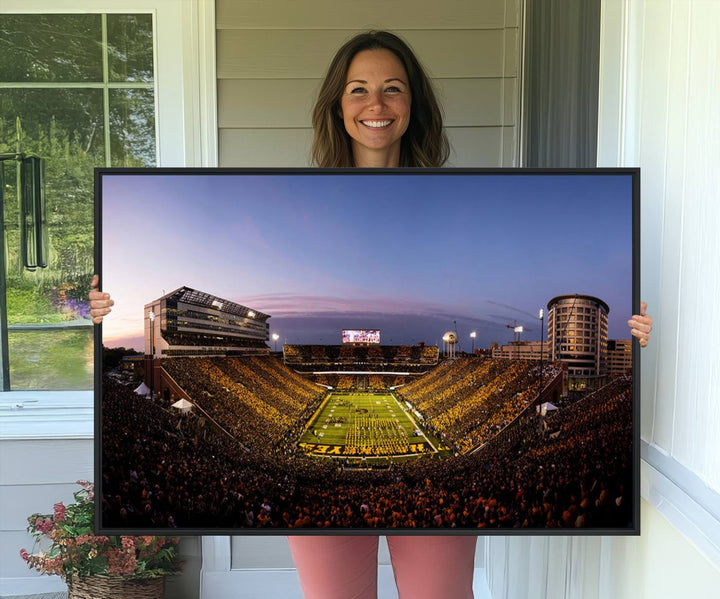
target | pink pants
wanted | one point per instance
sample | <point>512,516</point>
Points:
<point>346,567</point>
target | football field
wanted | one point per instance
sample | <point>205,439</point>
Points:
<point>364,425</point>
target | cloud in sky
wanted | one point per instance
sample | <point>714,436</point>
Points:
<point>511,308</point>
<point>321,318</point>
<point>135,342</point>
<point>286,304</point>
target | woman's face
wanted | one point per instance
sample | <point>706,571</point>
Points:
<point>375,107</point>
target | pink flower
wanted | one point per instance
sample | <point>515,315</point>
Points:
<point>121,562</point>
<point>44,526</point>
<point>72,554</point>
<point>53,565</point>
<point>128,542</point>
<point>59,509</point>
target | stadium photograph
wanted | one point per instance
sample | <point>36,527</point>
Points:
<point>324,351</point>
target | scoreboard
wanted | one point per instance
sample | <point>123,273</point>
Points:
<point>361,336</point>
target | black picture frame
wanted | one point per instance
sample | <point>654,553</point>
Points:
<point>112,457</point>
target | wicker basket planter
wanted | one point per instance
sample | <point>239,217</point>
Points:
<point>116,587</point>
<point>65,545</point>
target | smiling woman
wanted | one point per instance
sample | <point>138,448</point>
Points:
<point>364,105</point>
<point>375,107</point>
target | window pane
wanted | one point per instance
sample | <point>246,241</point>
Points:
<point>53,121</point>
<point>132,127</point>
<point>50,333</point>
<point>130,47</point>
<point>50,48</point>
<point>65,127</point>
<point>51,360</point>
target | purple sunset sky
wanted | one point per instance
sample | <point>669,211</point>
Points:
<point>408,254</point>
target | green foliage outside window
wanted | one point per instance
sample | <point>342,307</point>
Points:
<point>76,90</point>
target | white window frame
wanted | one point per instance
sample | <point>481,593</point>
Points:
<point>186,130</point>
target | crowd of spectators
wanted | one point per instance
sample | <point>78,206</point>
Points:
<point>572,468</point>
<point>423,390</point>
<point>291,354</point>
<point>404,354</point>
<point>258,405</point>
<point>429,354</point>
<point>416,358</point>
<point>377,382</point>
<point>468,401</point>
<point>345,382</point>
<point>347,354</point>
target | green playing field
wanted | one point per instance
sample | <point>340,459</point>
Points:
<point>356,424</point>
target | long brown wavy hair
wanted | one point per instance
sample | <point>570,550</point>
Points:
<point>424,144</point>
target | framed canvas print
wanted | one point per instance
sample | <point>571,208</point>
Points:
<point>409,351</point>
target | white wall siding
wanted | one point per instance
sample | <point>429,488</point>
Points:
<point>34,475</point>
<point>659,85</point>
<point>670,127</point>
<point>660,564</point>
<point>331,14</point>
<point>288,103</point>
<point>271,58</point>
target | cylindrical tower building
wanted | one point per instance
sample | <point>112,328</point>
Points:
<point>578,334</point>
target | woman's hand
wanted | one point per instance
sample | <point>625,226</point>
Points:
<point>641,325</point>
<point>100,303</point>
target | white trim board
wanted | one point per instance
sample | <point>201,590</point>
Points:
<point>46,415</point>
<point>680,495</point>
<point>35,587</point>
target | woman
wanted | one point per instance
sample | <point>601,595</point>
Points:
<point>377,108</point>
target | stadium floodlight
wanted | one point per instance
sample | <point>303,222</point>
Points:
<point>518,329</point>
<point>275,337</point>
<point>151,316</point>
<point>251,314</point>
<point>541,314</point>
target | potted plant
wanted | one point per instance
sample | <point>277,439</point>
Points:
<point>96,566</point>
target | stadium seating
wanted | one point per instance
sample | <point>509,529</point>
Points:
<point>232,461</point>
<point>412,358</point>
